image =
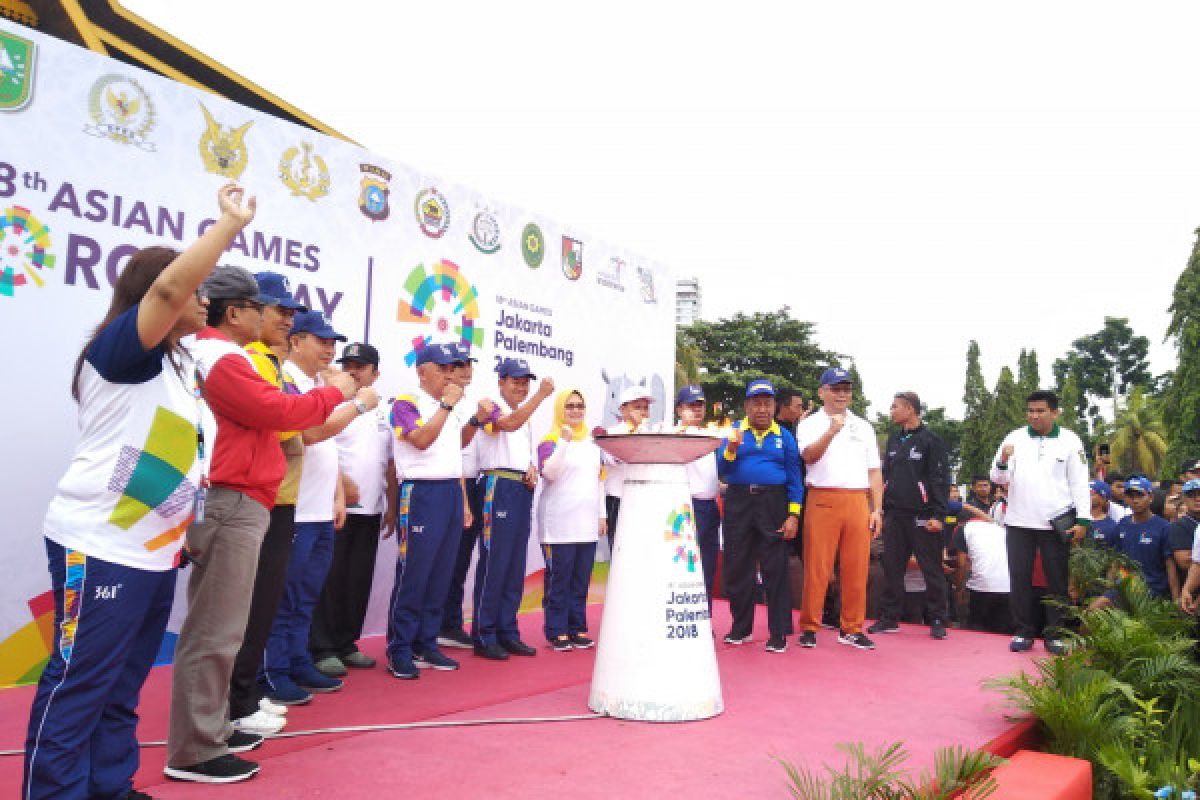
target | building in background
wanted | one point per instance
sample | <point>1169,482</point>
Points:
<point>687,301</point>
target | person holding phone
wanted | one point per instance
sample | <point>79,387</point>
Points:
<point>1045,469</point>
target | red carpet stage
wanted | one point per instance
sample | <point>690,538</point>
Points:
<point>794,706</point>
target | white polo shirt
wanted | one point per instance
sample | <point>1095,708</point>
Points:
<point>364,448</point>
<point>852,452</point>
<point>702,473</point>
<point>319,478</point>
<point>442,460</point>
<point>497,449</point>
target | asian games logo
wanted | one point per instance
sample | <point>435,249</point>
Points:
<point>681,534</point>
<point>444,303</point>
<point>24,250</point>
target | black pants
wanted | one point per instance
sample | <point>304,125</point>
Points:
<point>452,615</point>
<point>989,611</point>
<point>1023,544</point>
<point>269,582</point>
<point>612,507</point>
<point>903,538</point>
<point>751,526</point>
<point>338,619</point>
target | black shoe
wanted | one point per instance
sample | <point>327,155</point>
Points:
<point>1055,647</point>
<point>807,639</point>
<point>492,652</point>
<point>1020,644</point>
<point>581,642</point>
<point>858,640</point>
<point>733,638</point>
<point>562,644</point>
<point>242,742</point>
<point>937,630</point>
<point>776,644</point>
<point>518,648</point>
<point>404,670</point>
<point>434,659</point>
<point>134,794</point>
<point>222,769</point>
<point>883,626</point>
<point>454,638</point>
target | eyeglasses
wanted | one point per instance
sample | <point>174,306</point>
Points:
<point>574,406</point>
<point>253,305</point>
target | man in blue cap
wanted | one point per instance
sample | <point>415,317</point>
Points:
<point>703,484</point>
<point>762,508</point>
<point>431,508</point>
<point>1103,530</point>
<point>845,485</point>
<point>1182,534</point>
<point>289,672</point>
<point>507,476</point>
<point>1143,537</point>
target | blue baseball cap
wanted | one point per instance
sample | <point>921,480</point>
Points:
<point>758,387</point>
<point>1139,484</point>
<point>463,352</point>
<point>835,375</point>
<point>435,353</point>
<point>954,506</point>
<point>314,322</point>
<point>1103,489</point>
<point>514,368</point>
<point>1191,486</point>
<point>275,290</point>
<point>689,394</point>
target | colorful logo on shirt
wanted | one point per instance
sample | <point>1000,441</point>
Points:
<point>433,212</point>
<point>373,192</point>
<point>485,232</point>
<point>24,250</point>
<point>155,477</point>
<point>572,258</point>
<point>444,303</point>
<point>533,246</point>
<point>681,534</point>
<point>121,110</point>
<point>16,71</point>
<point>222,148</point>
<point>308,177</point>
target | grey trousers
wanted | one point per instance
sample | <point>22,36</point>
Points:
<point>224,552</point>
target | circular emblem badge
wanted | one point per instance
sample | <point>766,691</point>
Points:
<point>24,250</point>
<point>121,110</point>
<point>433,212</point>
<point>485,232</point>
<point>533,245</point>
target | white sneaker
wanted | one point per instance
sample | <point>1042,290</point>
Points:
<point>261,723</point>
<point>272,708</point>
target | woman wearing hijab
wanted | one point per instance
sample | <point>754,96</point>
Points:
<point>571,516</point>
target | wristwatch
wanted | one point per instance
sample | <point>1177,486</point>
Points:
<point>361,406</point>
<point>445,405</point>
<point>474,422</point>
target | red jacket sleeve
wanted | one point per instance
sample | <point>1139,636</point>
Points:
<point>233,389</point>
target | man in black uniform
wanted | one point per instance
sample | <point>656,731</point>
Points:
<point>916,485</point>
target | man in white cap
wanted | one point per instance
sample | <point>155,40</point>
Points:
<point>635,411</point>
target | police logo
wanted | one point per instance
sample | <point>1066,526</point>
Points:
<point>122,111</point>
<point>646,278</point>
<point>572,258</point>
<point>485,232</point>
<point>17,57</point>
<point>611,277</point>
<point>309,177</point>
<point>223,149</point>
<point>433,213</point>
<point>533,246</point>
<point>373,192</point>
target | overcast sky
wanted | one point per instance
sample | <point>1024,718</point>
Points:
<point>906,175</point>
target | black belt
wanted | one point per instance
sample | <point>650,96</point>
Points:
<point>756,488</point>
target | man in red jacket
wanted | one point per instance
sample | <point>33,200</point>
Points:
<point>242,415</point>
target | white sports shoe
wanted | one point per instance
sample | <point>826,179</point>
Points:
<point>260,722</point>
<point>272,708</point>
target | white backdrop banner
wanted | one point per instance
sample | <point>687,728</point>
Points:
<point>98,159</point>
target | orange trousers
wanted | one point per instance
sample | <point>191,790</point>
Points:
<point>836,524</point>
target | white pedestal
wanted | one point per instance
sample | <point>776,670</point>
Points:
<point>655,659</point>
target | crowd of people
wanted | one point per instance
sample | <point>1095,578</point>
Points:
<point>246,454</point>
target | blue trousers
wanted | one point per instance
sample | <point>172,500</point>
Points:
<point>708,538</point>
<point>308,565</point>
<point>564,600</point>
<point>109,621</point>
<point>452,616</point>
<point>429,523</point>
<point>500,573</point>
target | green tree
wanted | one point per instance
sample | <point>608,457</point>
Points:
<point>949,429</point>
<point>1069,401</point>
<point>1138,437</point>
<point>1181,400</point>
<point>687,360</point>
<point>772,345</point>
<point>1108,363</point>
<point>1029,377</point>
<point>859,405</point>
<point>1007,412</point>
<point>974,455</point>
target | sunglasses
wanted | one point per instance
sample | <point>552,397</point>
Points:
<point>574,406</point>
